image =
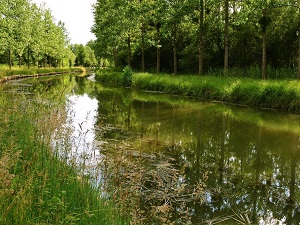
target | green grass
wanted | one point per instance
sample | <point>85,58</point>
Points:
<point>255,73</point>
<point>39,184</point>
<point>281,94</point>
<point>5,71</point>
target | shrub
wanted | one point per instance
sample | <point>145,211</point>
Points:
<point>127,77</point>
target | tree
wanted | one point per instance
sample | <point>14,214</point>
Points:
<point>150,30</point>
<point>201,44</point>
<point>84,55</point>
<point>264,7</point>
<point>298,70</point>
<point>226,37</point>
<point>108,27</point>
<point>174,13</point>
<point>12,12</point>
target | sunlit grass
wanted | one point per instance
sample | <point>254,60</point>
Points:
<point>281,94</point>
<point>23,70</point>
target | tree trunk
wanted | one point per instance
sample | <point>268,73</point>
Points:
<point>298,73</point>
<point>10,59</point>
<point>38,60</point>
<point>226,38</point>
<point>129,49</point>
<point>115,54</point>
<point>264,48</point>
<point>175,49</point>
<point>20,61</point>
<point>28,57</point>
<point>158,49</point>
<point>201,44</point>
<point>143,48</point>
<point>45,61</point>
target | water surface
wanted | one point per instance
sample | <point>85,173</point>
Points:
<point>247,158</point>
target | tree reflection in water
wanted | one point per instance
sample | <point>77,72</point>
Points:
<point>250,162</point>
<point>243,162</point>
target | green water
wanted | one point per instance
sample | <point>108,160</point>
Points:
<point>251,157</point>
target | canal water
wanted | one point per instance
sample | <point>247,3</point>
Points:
<point>185,161</point>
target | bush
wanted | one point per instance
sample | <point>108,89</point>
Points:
<point>127,77</point>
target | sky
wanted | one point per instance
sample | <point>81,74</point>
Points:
<point>77,16</point>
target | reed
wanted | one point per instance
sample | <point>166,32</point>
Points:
<point>38,183</point>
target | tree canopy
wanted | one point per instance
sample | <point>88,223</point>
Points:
<point>198,35</point>
<point>29,32</point>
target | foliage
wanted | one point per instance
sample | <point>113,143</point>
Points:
<point>174,28</point>
<point>127,76</point>
<point>29,33</point>
<point>84,55</point>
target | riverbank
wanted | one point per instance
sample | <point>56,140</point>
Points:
<point>17,73</point>
<point>40,182</point>
<point>270,94</point>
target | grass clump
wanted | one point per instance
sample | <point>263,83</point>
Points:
<point>273,94</point>
<point>38,183</point>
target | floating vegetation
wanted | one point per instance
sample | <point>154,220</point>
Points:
<point>147,186</point>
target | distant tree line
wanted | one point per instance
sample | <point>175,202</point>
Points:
<point>84,55</point>
<point>29,35</point>
<point>196,36</point>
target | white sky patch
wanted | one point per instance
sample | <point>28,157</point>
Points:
<point>77,16</point>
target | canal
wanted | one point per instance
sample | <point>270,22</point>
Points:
<point>167,159</point>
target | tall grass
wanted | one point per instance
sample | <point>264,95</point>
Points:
<point>274,94</point>
<point>37,183</point>
<point>255,73</point>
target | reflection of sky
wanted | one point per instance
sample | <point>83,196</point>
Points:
<point>82,115</point>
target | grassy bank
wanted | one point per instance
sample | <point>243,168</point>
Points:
<point>272,94</point>
<point>39,184</point>
<point>5,71</point>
